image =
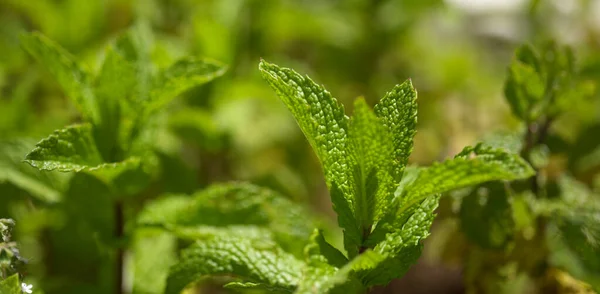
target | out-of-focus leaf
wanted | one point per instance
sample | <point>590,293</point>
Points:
<point>486,216</point>
<point>224,205</point>
<point>574,235</point>
<point>10,285</point>
<point>259,262</point>
<point>181,76</point>
<point>153,254</point>
<point>45,186</point>
<point>74,80</point>
<point>474,165</point>
<point>69,149</point>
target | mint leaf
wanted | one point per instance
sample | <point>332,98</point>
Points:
<point>325,126</point>
<point>114,84</point>
<point>10,285</point>
<point>181,76</point>
<point>69,149</point>
<point>153,253</point>
<point>544,81</point>
<point>401,246</point>
<point>327,270</point>
<point>74,80</point>
<point>575,230</point>
<point>235,256</point>
<point>372,150</point>
<point>224,205</point>
<point>45,186</point>
<point>398,111</point>
<point>486,216</point>
<point>320,250</point>
<point>474,165</point>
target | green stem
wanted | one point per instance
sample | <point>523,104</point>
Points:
<point>119,233</point>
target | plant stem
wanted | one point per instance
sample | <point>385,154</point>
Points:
<point>119,230</point>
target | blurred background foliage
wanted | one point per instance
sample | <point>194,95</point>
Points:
<point>456,52</point>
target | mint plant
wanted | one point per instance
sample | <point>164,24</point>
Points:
<point>111,150</point>
<point>554,212</point>
<point>384,208</point>
<point>11,262</point>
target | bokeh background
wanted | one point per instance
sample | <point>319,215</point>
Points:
<point>455,51</point>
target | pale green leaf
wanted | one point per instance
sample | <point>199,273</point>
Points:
<point>74,80</point>
<point>45,186</point>
<point>318,249</point>
<point>237,257</point>
<point>401,247</point>
<point>321,273</point>
<point>181,76</point>
<point>575,227</point>
<point>11,285</point>
<point>474,165</point>
<point>398,111</point>
<point>233,204</point>
<point>114,85</point>
<point>373,157</point>
<point>69,149</point>
<point>486,216</point>
<point>153,253</point>
<point>325,125</point>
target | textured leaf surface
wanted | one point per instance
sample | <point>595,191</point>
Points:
<point>373,152</point>
<point>10,285</point>
<point>327,269</point>
<point>401,247</point>
<point>73,79</point>
<point>69,149</point>
<point>249,260</point>
<point>325,125</point>
<point>474,165</point>
<point>181,76</point>
<point>233,204</point>
<point>398,110</point>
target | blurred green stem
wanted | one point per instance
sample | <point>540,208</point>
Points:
<point>119,230</point>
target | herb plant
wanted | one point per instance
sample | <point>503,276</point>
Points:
<point>111,149</point>
<point>384,208</point>
<point>553,212</point>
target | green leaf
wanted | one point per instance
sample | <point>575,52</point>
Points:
<point>318,248</point>
<point>153,254</point>
<point>544,82</point>
<point>398,111</point>
<point>45,186</point>
<point>325,126</point>
<point>115,83</point>
<point>69,149</point>
<point>401,247</point>
<point>486,216</point>
<point>327,270</point>
<point>74,80</point>
<point>474,165</point>
<point>181,76</point>
<point>233,204</point>
<point>372,150</point>
<point>575,230</point>
<point>235,256</point>
<point>11,285</point>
